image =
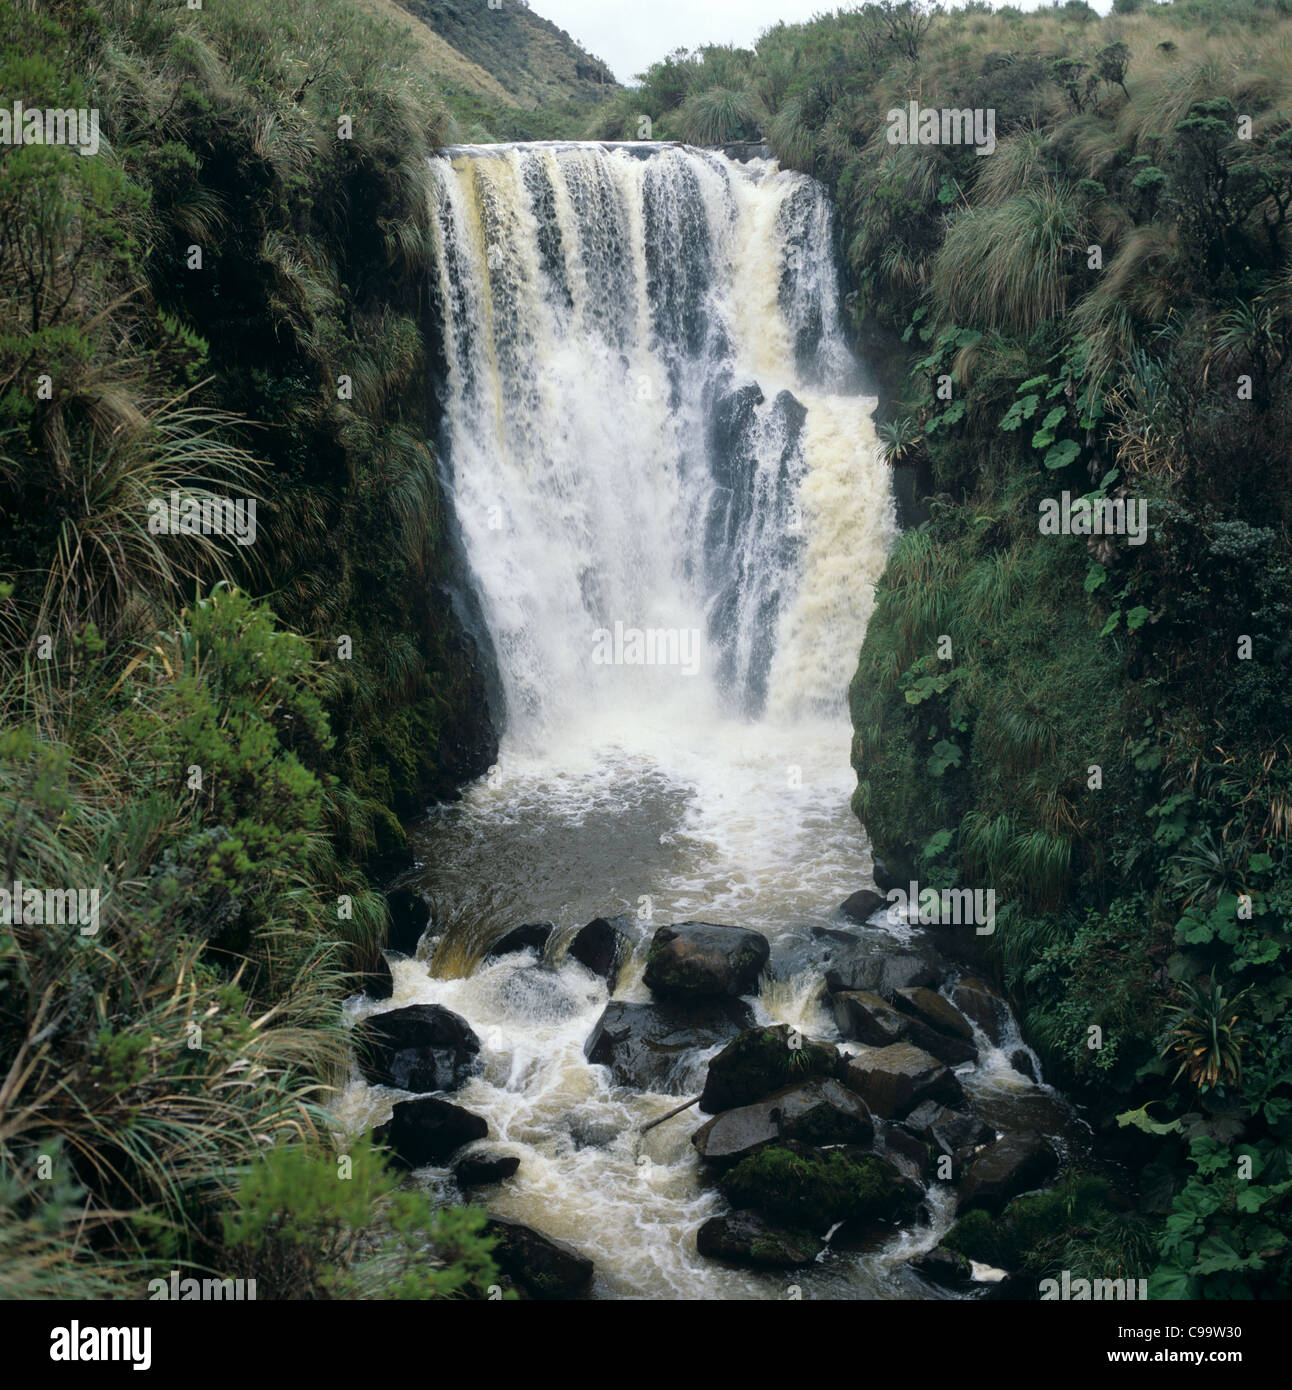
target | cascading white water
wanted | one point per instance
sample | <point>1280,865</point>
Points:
<point>651,420</point>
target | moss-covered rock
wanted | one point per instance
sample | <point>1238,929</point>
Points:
<point>801,1187</point>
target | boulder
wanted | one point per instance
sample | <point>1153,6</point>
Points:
<point>543,1266</point>
<point>956,1133</point>
<point>893,1080</point>
<point>981,1003</point>
<point>865,1017</point>
<point>884,974</point>
<point>409,918</point>
<point>862,1016</point>
<point>1014,1164</point>
<point>745,1238</point>
<point>933,1009</point>
<point>760,1061</point>
<point>650,1045</point>
<point>428,1130</point>
<point>906,1152</point>
<point>483,1166</point>
<point>531,937</point>
<point>696,960</point>
<point>379,983</point>
<point>603,946</point>
<point>862,905</point>
<point>905,970</point>
<point>947,1268</point>
<point>818,1112</point>
<point>423,1047</point>
<point>807,1189</point>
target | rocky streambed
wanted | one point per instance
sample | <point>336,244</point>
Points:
<point>863,1111</point>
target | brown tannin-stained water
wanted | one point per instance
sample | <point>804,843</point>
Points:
<point>652,422</point>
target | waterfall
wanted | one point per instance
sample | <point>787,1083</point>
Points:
<point>653,424</point>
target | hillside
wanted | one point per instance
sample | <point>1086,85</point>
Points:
<point>508,54</point>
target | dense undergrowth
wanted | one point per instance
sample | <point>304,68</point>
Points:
<point>1099,730</point>
<point>228,299</point>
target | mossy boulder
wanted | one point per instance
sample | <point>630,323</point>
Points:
<point>760,1061</point>
<point>745,1238</point>
<point>893,1080</point>
<point>801,1187</point>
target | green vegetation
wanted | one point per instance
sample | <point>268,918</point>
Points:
<point>1097,730</point>
<point>227,300</point>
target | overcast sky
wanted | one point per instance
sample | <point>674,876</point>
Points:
<point>632,34</point>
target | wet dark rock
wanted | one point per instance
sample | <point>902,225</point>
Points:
<point>907,1153</point>
<point>543,1266</point>
<point>423,1047</point>
<point>428,1130</point>
<point>893,1080</point>
<point>603,946</point>
<point>931,1008</point>
<point>865,1017</point>
<point>696,960</point>
<point>760,1061</point>
<point>862,905</point>
<point>819,1112</point>
<point>1014,1164</point>
<point>379,983</point>
<point>880,973</point>
<point>1022,1063</point>
<point>481,1167</point>
<point>978,1001</point>
<point>745,1238</point>
<point>947,1268</point>
<point>409,918</point>
<point>649,1045</point>
<point>957,1133</point>
<point>808,1189</point>
<point>531,937</point>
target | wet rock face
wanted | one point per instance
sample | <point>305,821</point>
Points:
<point>531,937</point>
<point>865,1017</point>
<point>893,1080</point>
<point>760,1061</point>
<point>981,1003</point>
<point>379,983</point>
<point>603,946</point>
<point>650,1045</point>
<point>820,1112</point>
<point>945,1267</point>
<point>697,960</point>
<point>543,1266</point>
<point>424,1047</point>
<point>428,1130</point>
<point>745,1238</point>
<point>1012,1165</point>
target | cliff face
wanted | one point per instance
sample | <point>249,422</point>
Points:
<point>509,54</point>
